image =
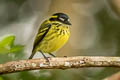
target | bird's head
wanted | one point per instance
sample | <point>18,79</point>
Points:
<point>61,17</point>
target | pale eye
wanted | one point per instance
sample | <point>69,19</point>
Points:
<point>61,19</point>
<point>68,20</point>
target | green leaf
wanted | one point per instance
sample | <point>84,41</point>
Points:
<point>7,41</point>
<point>4,50</point>
<point>7,45</point>
<point>16,48</point>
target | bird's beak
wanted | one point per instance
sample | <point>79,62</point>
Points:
<point>68,23</point>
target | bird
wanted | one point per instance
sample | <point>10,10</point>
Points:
<point>53,33</point>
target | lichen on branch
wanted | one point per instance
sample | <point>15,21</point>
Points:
<point>59,63</point>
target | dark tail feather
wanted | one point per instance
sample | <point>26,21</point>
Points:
<point>33,53</point>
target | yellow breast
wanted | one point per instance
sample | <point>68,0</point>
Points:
<point>55,39</point>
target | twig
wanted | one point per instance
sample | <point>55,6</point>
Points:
<point>59,63</point>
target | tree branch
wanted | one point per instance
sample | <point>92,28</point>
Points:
<point>59,63</point>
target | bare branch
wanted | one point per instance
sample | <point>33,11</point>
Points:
<point>59,63</point>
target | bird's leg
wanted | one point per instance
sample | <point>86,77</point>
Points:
<point>44,56</point>
<point>52,55</point>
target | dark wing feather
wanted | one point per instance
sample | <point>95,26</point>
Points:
<point>41,33</point>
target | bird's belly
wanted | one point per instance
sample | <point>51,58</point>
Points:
<point>53,44</point>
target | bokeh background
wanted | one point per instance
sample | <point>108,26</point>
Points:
<point>95,31</point>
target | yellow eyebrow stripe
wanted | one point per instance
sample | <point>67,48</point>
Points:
<point>54,16</point>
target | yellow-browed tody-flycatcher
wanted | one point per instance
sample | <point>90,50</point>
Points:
<point>52,35</point>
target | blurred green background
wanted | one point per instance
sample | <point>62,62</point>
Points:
<point>95,31</point>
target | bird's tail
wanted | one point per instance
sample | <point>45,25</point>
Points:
<point>33,53</point>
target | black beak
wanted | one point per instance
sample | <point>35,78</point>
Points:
<point>68,23</point>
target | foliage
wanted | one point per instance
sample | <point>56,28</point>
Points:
<point>1,78</point>
<point>7,45</point>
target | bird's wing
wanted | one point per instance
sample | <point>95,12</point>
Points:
<point>43,30</point>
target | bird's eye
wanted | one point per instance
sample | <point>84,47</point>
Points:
<point>62,19</point>
<point>68,20</point>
